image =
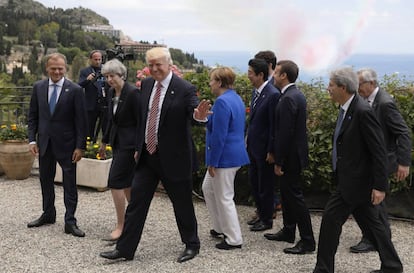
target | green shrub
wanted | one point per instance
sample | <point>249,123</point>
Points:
<point>322,114</point>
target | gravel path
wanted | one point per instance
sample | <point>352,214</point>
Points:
<point>48,249</point>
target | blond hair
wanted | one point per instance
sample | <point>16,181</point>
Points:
<point>157,53</point>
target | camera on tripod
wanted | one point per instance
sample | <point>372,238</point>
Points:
<point>118,52</point>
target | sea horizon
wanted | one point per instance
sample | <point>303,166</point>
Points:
<point>401,65</point>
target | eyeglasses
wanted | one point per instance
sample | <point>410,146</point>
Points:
<point>361,83</point>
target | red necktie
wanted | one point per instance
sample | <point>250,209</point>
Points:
<point>152,121</point>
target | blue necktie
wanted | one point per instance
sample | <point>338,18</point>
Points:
<point>53,97</point>
<point>336,134</point>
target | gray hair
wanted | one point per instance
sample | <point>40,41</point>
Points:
<point>346,77</point>
<point>368,75</point>
<point>114,66</point>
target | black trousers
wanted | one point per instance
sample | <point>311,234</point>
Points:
<point>383,216</point>
<point>47,171</point>
<point>295,211</point>
<point>335,214</point>
<point>262,180</point>
<point>146,178</point>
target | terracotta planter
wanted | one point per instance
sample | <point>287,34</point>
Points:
<point>91,173</point>
<point>16,159</point>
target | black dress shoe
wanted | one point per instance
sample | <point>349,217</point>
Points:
<point>42,220</point>
<point>260,226</point>
<point>363,246</point>
<point>300,248</point>
<point>187,254</point>
<point>114,255</point>
<point>381,271</point>
<point>280,236</point>
<point>255,219</point>
<point>225,246</point>
<point>215,234</point>
<point>74,230</point>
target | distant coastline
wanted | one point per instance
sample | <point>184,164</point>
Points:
<point>384,64</point>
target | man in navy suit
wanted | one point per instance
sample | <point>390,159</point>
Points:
<point>291,157</point>
<point>164,155</point>
<point>397,140</point>
<point>359,163</point>
<point>260,143</point>
<point>271,60</point>
<point>93,83</point>
<point>57,133</point>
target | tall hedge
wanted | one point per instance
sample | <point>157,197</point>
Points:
<point>322,113</point>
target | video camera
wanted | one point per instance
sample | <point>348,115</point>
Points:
<point>118,53</point>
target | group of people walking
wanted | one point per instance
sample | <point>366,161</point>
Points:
<point>150,133</point>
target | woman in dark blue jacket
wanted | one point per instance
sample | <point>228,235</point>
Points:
<point>121,133</point>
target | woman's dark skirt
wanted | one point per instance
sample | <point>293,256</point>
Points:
<point>122,169</point>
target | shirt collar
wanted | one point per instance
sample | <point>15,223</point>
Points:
<point>59,83</point>
<point>371,97</point>
<point>345,106</point>
<point>259,90</point>
<point>166,82</point>
<point>286,87</point>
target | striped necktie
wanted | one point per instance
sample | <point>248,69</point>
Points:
<point>152,121</point>
<point>256,97</point>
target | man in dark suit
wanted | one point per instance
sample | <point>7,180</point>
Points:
<point>359,162</point>
<point>397,140</point>
<point>163,153</point>
<point>291,157</point>
<point>260,143</point>
<point>271,60</point>
<point>93,83</point>
<point>57,133</point>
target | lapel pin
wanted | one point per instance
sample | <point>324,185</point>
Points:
<point>67,90</point>
<point>172,92</point>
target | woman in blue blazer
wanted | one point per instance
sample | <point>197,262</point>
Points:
<point>225,154</point>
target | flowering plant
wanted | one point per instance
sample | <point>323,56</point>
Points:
<point>145,72</point>
<point>13,132</point>
<point>92,150</point>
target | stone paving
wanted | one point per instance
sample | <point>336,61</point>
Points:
<point>48,249</point>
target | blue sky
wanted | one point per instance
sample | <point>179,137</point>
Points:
<point>317,33</point>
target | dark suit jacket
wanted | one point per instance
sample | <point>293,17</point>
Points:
<point>65,130</point>
<point>396,133</point>
<point>121,132</point>
<point>174,131</point>
<point>290,138</point>
<point>362,160</point>
<point>92,89</point>
<point>260,131</point>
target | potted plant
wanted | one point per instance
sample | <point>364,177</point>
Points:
<point>91,171</point>
<point>16,160</point>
